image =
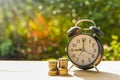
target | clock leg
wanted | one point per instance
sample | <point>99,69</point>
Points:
<point>96,68</point>
<point>70,67</point>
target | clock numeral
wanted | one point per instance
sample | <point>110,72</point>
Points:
<point>94,50</point>
<point>73,56</point>
<point>89,60</point>
<point>78,40</point>
<point>83,39</point>
<point>89,41</point>
<point>93,44</point>
<point>83,61</point>
<point>71,49</point>
<point>74,45</point>
<point>93,56</point>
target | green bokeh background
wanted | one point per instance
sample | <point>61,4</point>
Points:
<point>36,29</point>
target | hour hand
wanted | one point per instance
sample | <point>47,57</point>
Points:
<point>78,49</point>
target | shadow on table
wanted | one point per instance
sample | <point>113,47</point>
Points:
<point>92,75</point>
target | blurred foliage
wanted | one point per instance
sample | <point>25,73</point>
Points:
<point>36,29</point>
<point>112,52</point>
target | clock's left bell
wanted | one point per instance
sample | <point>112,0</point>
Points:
<point>73,31</point>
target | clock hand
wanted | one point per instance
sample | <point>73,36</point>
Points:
<point>79,49</point>
<point>83,40</point>
<point>81,52</point>
<point>88,52</point>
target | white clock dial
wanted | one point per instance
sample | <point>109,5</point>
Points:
<point>83,50</point>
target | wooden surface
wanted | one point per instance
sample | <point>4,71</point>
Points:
<point>38,70</point>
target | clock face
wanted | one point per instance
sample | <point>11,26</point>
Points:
<point>83,50</point>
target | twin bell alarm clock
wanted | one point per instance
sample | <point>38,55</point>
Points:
<point>84,48</point>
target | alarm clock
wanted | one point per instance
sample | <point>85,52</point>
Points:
<point>84,48</point>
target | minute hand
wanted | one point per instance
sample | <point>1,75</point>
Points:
<point>88,52</point>
<point>81,52</point>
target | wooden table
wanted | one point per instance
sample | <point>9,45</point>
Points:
<point>38,70</point>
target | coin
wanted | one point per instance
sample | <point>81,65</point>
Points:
<point>52,73</point>
<point>63,72</point>
<point>63,63</point>
<point>52,65</point>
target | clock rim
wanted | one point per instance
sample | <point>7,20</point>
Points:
<point>98,58</point>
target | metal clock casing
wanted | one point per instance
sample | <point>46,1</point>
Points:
<point>85,51</point>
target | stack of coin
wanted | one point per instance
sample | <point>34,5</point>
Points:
<point>52,68</point>
<point>63,64</point>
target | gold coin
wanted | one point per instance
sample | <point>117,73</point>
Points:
<point>52,65</point>
<point>64,66</point>
<point>52,68</point>
<point>63,72</point>
<point>63,63</point>
<point>52,73</point>
<point>63,59</point>
<point>52,62</point>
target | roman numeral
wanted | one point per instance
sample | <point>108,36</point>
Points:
<point>78,40</point>
<point>93,44</point>
<point>74,45</point>
<point>89,60</point>
<point>93,56</point>
<point>83,61</point>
